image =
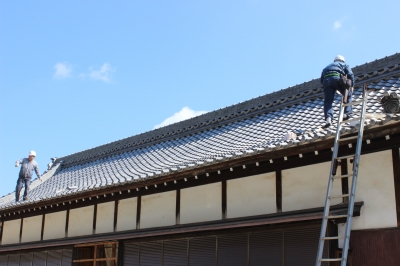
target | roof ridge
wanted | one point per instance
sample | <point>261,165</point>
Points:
<point>232,112</point>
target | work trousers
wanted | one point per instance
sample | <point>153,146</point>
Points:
<point>331,85</point>
<point>20,183</point>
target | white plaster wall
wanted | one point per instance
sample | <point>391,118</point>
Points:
<point>80,221</point>
<point>252,195</point>
<point>202,203</point>
<point>105,217</point>
<point>158,210</point>
<point>11,231</point>
<point>305,187</point>
<point>32,229</point>
<point>375,186</point>
<point>126,219</point>
<point>54,225</point>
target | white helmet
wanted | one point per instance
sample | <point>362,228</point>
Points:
<point>339,58</point>
<point>32,153</point>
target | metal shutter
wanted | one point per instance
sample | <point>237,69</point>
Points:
<point>3,260</point>
<point>232,250</point>
<point>13,260</point>
<point>150,253</point>
<point>175,252</point>
<point>66,259</point>
<point>26,259</point>
<point>266,248</point>
<point>54,258</point>
<point>301,246</point>
<point>131,254</point>
<point>39,258</point>
<point>202,251</point>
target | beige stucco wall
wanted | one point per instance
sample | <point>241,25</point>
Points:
<point>105,217</point>
<point>11,230</point>
<point>80,221</point>
<point>202,203</point>
<point>252,195</point>
<point>126,219</point>
<point>54,225</point>
<point>158,210</point>
<point>305,187</point>
<point>32,228</point>
<point>375,187</point>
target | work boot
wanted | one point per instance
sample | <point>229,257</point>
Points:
<point>328,122</point>
<point>26,198</point>
<point>347,117</point>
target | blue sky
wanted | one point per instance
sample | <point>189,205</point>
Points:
<point>78,74</point>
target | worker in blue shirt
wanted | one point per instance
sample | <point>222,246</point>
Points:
<point>25,174</point>
<point>330,80</point>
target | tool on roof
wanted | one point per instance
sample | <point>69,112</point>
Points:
<point>332,176</point>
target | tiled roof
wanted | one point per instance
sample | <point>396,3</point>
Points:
<point>257,125</point>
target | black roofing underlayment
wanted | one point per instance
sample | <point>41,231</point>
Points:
<point>256,125</point>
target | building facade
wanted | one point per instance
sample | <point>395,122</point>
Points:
<point>243,185</point>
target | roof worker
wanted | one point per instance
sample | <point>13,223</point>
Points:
<point>25,174</point>
<point>330,80</point>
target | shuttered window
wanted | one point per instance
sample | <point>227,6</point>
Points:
<point>266,248</point>
<point>3,260</point>
<point>13,260</point>
<point>26,259</point>
<point>232,250</point>
<point>202,251</point>
<point>295,246</point>
<point>175,252</point>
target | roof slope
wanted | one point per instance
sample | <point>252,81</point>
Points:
<point>239,130</point>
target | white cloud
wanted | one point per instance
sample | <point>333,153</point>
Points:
<point>62,70</point>
<point>183,114</point>
<point>103,74</point>
<point>337,24</point>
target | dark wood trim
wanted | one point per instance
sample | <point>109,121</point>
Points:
<point>42,230</point>
<point>396,176</point>
<point>20,229</point>
<point>1,231</point>
<point>278,184</point>
<point>138,210</point>
<point>224,198</point>
<point>344,181</point>
<point>292,154</point>
<point>115,215</point>
<point>94,218</point>
<point>178,207</point>
<point>66,223</point>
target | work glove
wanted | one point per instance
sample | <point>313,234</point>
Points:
<point>16,164</point>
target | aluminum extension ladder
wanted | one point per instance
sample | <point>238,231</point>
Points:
<point>332,176</point>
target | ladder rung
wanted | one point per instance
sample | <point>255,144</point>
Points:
<point>350,120</point>
<point>353,103</point>
<point>345,157</point>
<point>342,176</point>
<point>348,138</point>
<point>322,260</point>
<point>337,216</point>
<point>332,237</point>
<point>339,196</point>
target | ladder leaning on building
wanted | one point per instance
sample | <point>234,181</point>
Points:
<point>332,176</point>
